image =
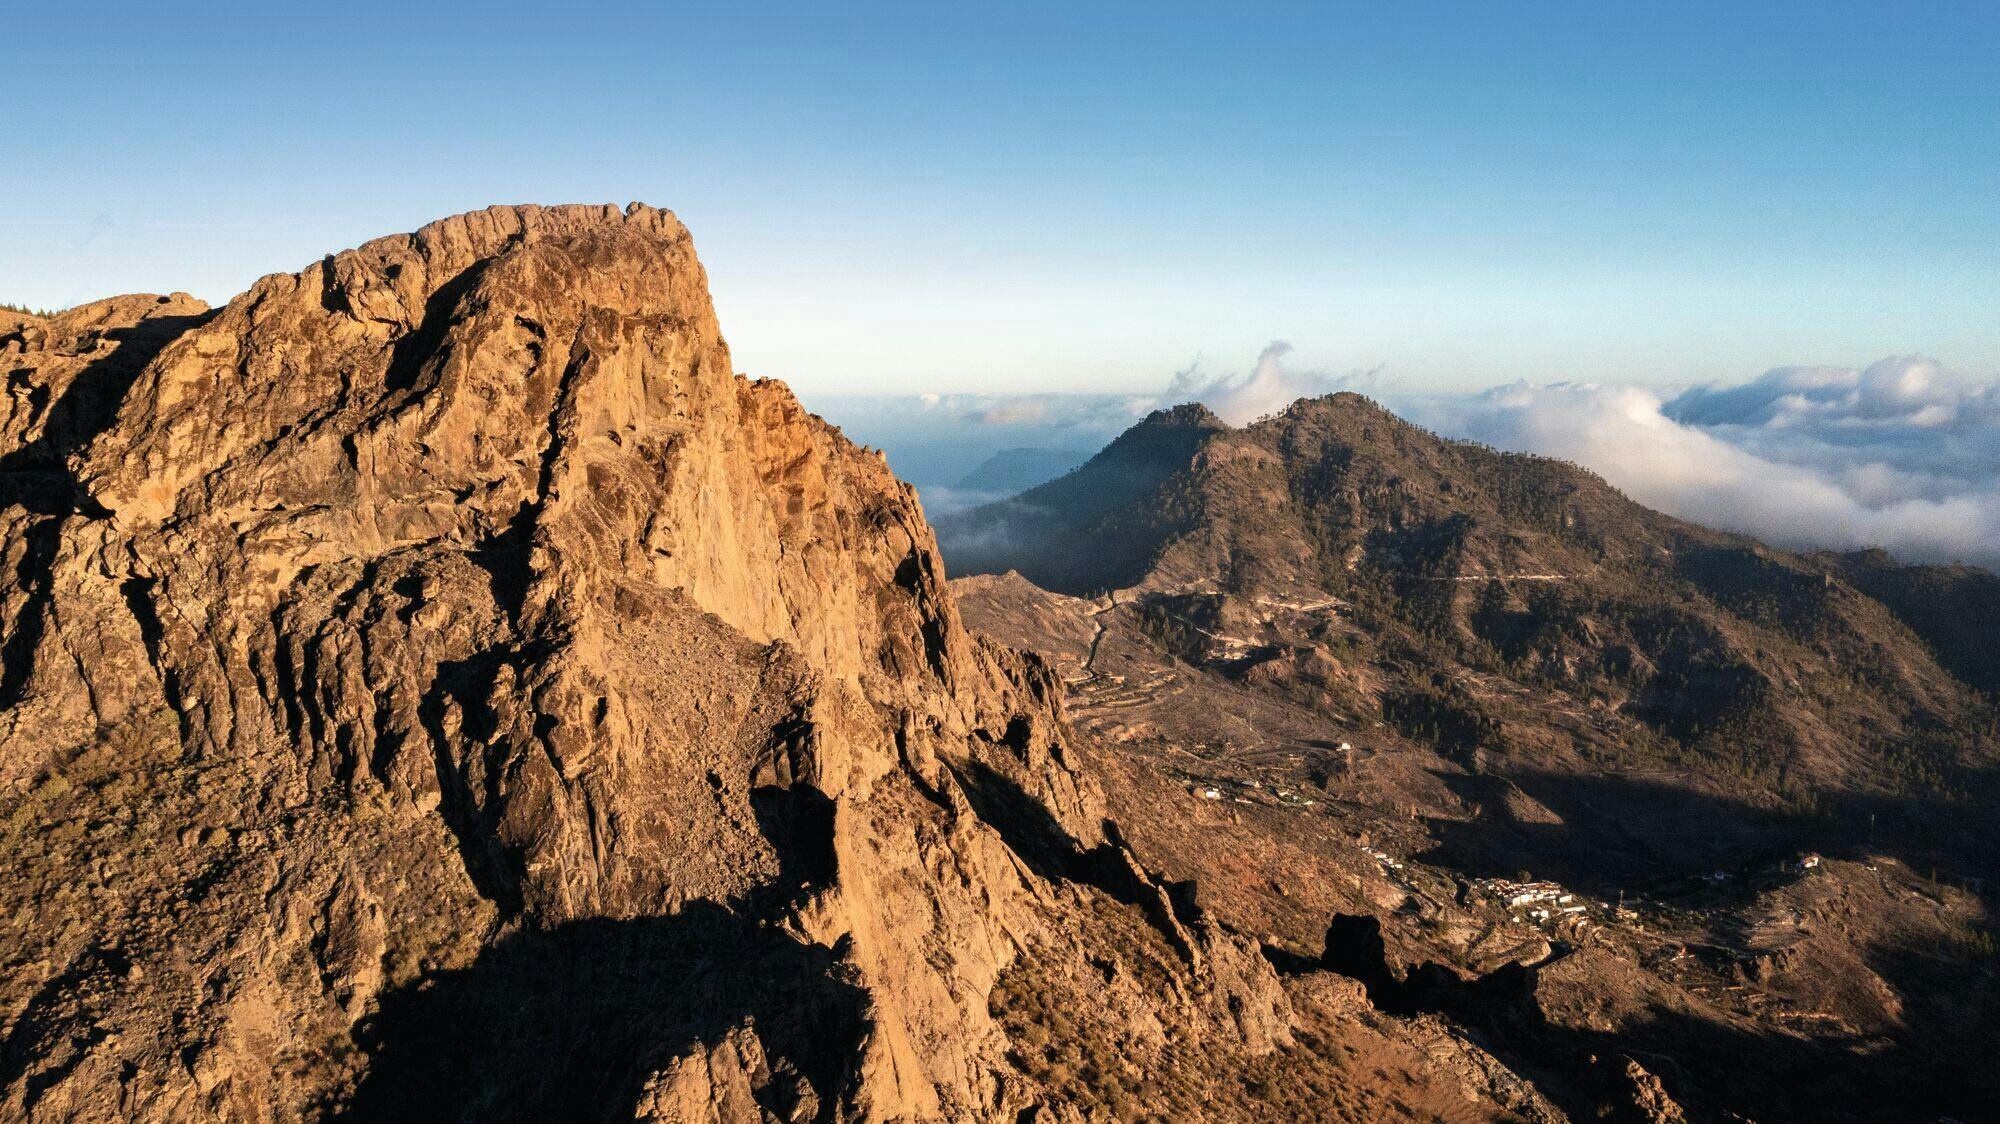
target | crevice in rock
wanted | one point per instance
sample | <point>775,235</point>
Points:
<point>424,345</point>
<point>17,653</point>
<point>332,297</point>
<point>138,594</point>
<point>37,475</point>
<point>467,684</point>
<point>506,556</point>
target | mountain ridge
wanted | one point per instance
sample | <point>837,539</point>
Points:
<point>1508,684</point>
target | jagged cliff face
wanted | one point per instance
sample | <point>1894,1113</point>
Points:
<point>436,685</point>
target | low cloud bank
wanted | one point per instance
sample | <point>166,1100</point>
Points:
<point>1899,455</point>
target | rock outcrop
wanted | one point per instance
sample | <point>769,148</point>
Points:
<point>436,686</point>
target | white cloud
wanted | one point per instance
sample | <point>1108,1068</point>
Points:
<point>1901,391</point>
<point>1901,454</point>
<point>1270,386</point>
<point>1898,455</point>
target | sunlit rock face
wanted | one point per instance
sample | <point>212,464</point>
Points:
<point>436,678</point>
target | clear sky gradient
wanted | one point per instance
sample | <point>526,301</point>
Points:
<point>925,197</point>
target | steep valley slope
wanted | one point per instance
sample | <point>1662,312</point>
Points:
<point>437,687</point>
<point>1667,821</point>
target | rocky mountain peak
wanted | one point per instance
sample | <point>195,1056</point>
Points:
<point>464,654</point>
<point>1358,416</point>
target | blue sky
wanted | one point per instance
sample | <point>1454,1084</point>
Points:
<point>929,198</point>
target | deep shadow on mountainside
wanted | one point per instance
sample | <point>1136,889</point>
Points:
<point>1602,786</point>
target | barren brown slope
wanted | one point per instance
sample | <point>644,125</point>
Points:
<point>438,688</point>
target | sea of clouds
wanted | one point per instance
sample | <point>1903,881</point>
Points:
<point>1900,454</point>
